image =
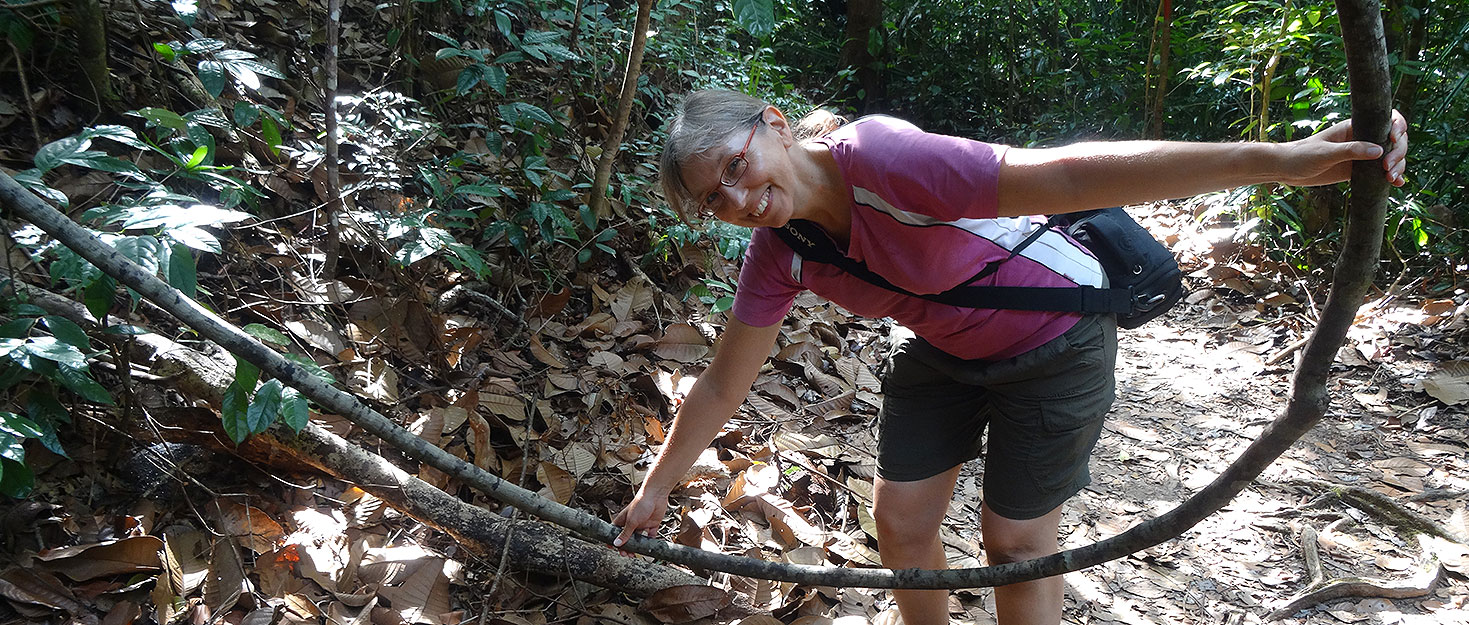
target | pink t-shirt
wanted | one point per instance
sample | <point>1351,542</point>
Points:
<point>923,216</point>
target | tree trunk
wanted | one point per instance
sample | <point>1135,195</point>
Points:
<point>333,245</point>
<point>91,30</point>
<point>864,18</point>
<point>1162,37</point>
<point>598,201</point>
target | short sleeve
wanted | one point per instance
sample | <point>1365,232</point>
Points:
<point>945,177</point>
<point>766,290</point>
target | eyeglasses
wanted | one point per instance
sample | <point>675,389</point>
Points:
<point>728,177</point>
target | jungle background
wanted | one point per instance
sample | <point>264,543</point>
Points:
<point>442,246</point>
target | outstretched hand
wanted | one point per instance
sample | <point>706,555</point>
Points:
<point>642,516</point>
<point>1326,157</point>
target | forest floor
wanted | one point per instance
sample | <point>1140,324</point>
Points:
<point>791,479</point>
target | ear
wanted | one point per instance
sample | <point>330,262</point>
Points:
<point>782,126</point>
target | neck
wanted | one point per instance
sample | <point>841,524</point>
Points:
<point>826,201</point>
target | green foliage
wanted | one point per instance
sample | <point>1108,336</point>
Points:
<point>40,354</point>
<point>718,295</point>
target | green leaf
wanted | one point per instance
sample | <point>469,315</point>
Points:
<point>194,237</point>
<point>12,448</point>
<point>311,368</point>
<point>77,381</point>
<point>496,78</point>
<point>11,372</point>
<point>757,17</point>
<point>245,113</point>
<point>606,235</point>
<point>166,51</point>
<point>211,75</point>
<point>98,296</point>
<point>17,328</point>
<point>197,158</point>
<point>143,250</point>
<point>516,112</point>
<point>246,374</point>
<point>18,426</point>
<point>272,134</point>
<point>265,408</point>
<point>722,304</point>
<point>163,117</point>
<point>17,480</point>
<point>468,78</point>
<point>233,413</point>
<point>256,67</point>
<point>583,256</point>
<point>294,410</point>
<point>120,134</point>
<point>68,332</point>
<point>182,272</point>
<point>269,335</point>
<point>126,330</point>
<point>477,189</point>
<point>54,154</point>
<point>43,406</point>
<point>51,349</point>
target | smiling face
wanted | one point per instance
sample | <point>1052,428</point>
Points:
<point>747,180</point>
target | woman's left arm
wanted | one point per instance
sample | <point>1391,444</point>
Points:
<point>1101,174</point>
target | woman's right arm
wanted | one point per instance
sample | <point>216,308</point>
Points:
<point>710,403</point>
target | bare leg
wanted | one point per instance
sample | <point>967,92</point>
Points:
<point>1036,602</point>
<point>908,515</point>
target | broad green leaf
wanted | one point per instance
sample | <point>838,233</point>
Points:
<point>757,17</point>
<point>68,332</point>
<point>477,189</point>
<point>256,67</point>
<point>175,216</point>
<point>246,374</point>
<point>126,330</point>
<point>54,154</point>
<point>269,335</point>
<point>265,408</point>
<point>197,158</point>
<point>245,113</point>
<point>98,296</point>
<point>120,134</point>
<point>10,372</point>
<point>143,250</point>
<point>211,75</point>
<point>77,381</point>
<point>515,112</point>
<point>43,406</point>
<point>19,33</point>
<point>294,410</point>
<point>17,480</point>
<point>51,349</point>
<point>18,426</point>
<point>31,179</point>
<point>496,78</point>
<point>100,161</point>
<point>162,117</point>
<point>234,412</point>
<point>205,117</point>
<point>12,447</point>
<point>166,51</point>
<point>196,238</point>
<point>234,55</point>
<point>583,256</point>
<point>311,368</point>
<point>244,74</point>
<point>468,78</point>
<point>272,134</point>
<point>17,329</point>
<point>204,45</point>
<point>183,274</point>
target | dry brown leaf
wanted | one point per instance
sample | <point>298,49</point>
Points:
<point>559,480</point>
<point>257,531</point>
<point>608,361</point>
<point>596,325</point>
<point>681,604</point>
<point>828,384</point>
<point>822,444</point>
<point>552,303</point>
<point>683,343</point>
<point>759,619</point>
<point>853,550</point>
<point>654,429</point>
<point>138,554</point>
<point>424,596</point>
<point>43,589</point>
<point>318,335</point>
<point>226,581</point>
<point>857,375</point>
<point>767,408</point>
<point>541,353</point>
<point>576,458</point>
<point>375,379</point>
<point>506,406</point>
<point>478,439</point>
<point>1450,384</point>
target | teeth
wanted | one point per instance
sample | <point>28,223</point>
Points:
<point>764,203</point>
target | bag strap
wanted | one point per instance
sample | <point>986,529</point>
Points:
<point>814,244</point>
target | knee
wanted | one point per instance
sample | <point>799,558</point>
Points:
<point>1005,548</point>
<point>900,527</point>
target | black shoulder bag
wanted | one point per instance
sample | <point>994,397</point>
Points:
<point>1143,275</point>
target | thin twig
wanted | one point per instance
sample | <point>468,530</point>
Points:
<point>330,161</point>
<point>25,92</point>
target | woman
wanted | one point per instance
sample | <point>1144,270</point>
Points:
<point>924,211</point>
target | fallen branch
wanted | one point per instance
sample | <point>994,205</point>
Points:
<point>1383,508</point>
<point>1308,402</point>
<point>1321,590</point>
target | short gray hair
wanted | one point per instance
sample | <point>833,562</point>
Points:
<point>705,119</point>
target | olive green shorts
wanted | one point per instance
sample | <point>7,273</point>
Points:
<point>1043,409</point>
